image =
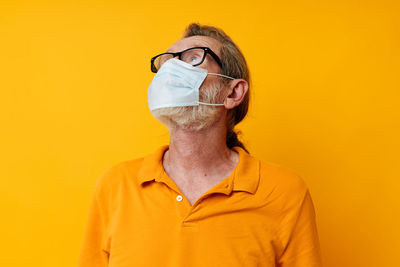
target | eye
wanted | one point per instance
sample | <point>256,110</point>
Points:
<point>193,56</point>
<point>194,59</point>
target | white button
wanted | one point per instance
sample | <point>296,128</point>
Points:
<point>179,198</point>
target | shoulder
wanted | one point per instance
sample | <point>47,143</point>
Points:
<point>281,175</point>
<point>113,175</point>
<point>281,184</point>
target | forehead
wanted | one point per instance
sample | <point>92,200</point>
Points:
<point>196,40</point>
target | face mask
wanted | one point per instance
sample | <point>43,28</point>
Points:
<point>177,84</point>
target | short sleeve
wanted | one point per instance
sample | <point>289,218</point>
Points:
<point>93,252</point>
<point>301,246</point>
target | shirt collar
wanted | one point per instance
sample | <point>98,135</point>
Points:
<point>245,176</point>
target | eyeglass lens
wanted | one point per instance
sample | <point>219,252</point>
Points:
<point>192,56</point>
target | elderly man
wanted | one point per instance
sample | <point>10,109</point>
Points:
<point>202,200</point>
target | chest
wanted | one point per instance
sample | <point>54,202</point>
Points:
<point>221,231</point>
<point>195,188</point>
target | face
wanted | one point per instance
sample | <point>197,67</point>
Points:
<point>200,117</point>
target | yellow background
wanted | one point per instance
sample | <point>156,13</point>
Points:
<point>325,103</point>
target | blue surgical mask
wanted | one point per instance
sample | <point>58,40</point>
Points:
<point>177,84</point>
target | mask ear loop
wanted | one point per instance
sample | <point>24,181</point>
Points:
<point>209,104</point>
<point>221,75</point>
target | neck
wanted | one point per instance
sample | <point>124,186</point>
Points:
<point>195,152</point>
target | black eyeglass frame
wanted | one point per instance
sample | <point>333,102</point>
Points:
<point>207,50</point>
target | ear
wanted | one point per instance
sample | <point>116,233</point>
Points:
<point>238,89</point>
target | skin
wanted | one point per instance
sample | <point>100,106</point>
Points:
<point>198,160</point>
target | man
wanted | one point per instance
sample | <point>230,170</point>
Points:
<point>202,200</point>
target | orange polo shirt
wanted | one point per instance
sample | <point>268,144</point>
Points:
<point>261,215</point>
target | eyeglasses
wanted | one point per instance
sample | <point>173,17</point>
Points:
<point>194,56</point>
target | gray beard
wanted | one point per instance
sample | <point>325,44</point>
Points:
<point>193,118</point>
